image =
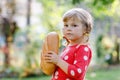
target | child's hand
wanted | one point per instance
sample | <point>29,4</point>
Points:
<point>51,57</point>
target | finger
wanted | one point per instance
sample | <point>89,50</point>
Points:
<point>47,55</point>
<point>48,61</point>
<point>51,52</point>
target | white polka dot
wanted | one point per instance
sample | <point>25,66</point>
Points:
<point>79,70</point>
<point>56,77</point>
<point>85,67</point>
<point>85,58</point>
<point>75,61</point>
<point>67,79</point>
<point>86,49</point>
<point>72,73</point>
<point>66,57</point>
<point>56,73</point>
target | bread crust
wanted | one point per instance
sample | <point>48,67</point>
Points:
<point>51,43</point>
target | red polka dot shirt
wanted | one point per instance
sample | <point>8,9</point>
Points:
<point>78,57</point>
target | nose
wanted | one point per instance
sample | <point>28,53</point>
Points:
<point>69,28</point>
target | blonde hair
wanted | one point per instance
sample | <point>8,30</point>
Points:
<point>82,15</point>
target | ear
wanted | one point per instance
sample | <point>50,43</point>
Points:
<point>87,29</point>
<point>84,30</point>
<point>86,34</point>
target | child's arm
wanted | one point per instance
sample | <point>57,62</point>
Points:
<point>63,65</point>
<point>80,64</point>
<point>54,58</point>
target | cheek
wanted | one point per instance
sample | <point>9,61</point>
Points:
<point>63,31</point>
<point>78,32</point>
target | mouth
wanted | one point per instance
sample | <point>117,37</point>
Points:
<point>69,34</point>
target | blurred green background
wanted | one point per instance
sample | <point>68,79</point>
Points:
<point>25,23</point>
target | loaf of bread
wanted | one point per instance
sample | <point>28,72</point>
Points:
<point>51,43</point>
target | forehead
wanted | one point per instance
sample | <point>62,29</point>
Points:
<point>72,20</point>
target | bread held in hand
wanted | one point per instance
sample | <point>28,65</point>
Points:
<point>51,43</point>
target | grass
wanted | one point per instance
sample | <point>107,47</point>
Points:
<point>101,74</point>
<point>37,78</point>
<point>109,74</point>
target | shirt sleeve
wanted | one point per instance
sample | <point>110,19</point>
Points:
<point>80,64</point>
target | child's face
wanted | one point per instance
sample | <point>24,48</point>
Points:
<point>73,30</point>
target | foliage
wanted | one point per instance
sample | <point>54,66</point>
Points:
<point>102,2</point>
<point>32,52</point>
<point>76,1</point>
<point>101,8</point>
<point>106,50</point>
<point>97,3</point>
<point>52,14</point>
